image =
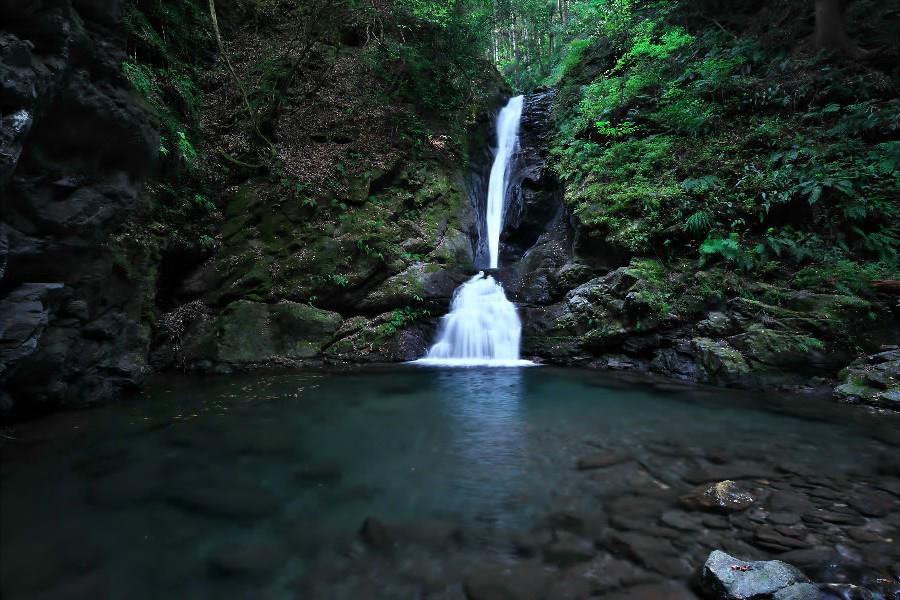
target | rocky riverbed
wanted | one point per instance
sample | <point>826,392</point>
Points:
<point>484,484</point>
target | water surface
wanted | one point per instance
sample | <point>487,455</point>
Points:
<point>257,485</point>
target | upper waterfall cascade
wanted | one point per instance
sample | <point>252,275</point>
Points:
<point>498,185</point>
<point>483,327</point>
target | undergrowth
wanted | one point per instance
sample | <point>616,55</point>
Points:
<point>733,148</point>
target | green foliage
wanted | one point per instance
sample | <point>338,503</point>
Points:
<point>168,46</point>
<point>572,56</point>
<point>728,248</point>
<point>765,161</point>
<point>165,43</point>
<point>434,55</point>
<point>842,274</point>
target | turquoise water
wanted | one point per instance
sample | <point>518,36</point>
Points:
<point>256,485</point>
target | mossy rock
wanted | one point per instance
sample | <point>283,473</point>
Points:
<point>376,340</point>
<point>358,189</point>
<point>720,363</point>
<point>608,336</point>
<point>872,380</point>
<point>252,332</point>
<point>255,283</point>
<point>780,349</point>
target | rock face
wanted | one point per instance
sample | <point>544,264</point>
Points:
<point>75,147</point>
<point>728,578</point>
<point>536,238</point>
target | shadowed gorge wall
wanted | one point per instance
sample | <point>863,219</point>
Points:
<point>76,146</point>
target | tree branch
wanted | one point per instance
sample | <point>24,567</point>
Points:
<point>240,85</point>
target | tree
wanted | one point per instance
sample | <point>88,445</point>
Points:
<point>831,28</point>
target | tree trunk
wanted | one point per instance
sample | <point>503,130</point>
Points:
<point>831,32</point>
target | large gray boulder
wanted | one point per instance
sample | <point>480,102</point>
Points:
<point>728,578</point>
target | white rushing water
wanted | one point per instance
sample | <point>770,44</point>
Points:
<point>507,137</point>
<point>483,328</point>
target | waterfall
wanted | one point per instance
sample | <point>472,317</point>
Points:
<point>482,327</point>
<point>507,137</point>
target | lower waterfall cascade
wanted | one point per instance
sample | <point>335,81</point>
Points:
<point>483,327</point>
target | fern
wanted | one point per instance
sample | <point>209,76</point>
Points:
<point>728,248</point>
<point>699,222</point>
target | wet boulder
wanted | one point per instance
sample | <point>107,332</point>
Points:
<point>725,577</point>
<point>724,496</point>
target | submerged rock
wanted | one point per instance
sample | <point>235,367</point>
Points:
<point>731,471</point>
<point>653,591</point>
<point>599,575</point>
<point>252,556</point>
<point>602,459</point>
<point>568,550</point>
<point>222,500</point>
<point>528,581</point>
<point>725,496</point>
<point>874,503</point>
<point>375,534</point>
<point>323,472</point>
<point>725,577</point>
